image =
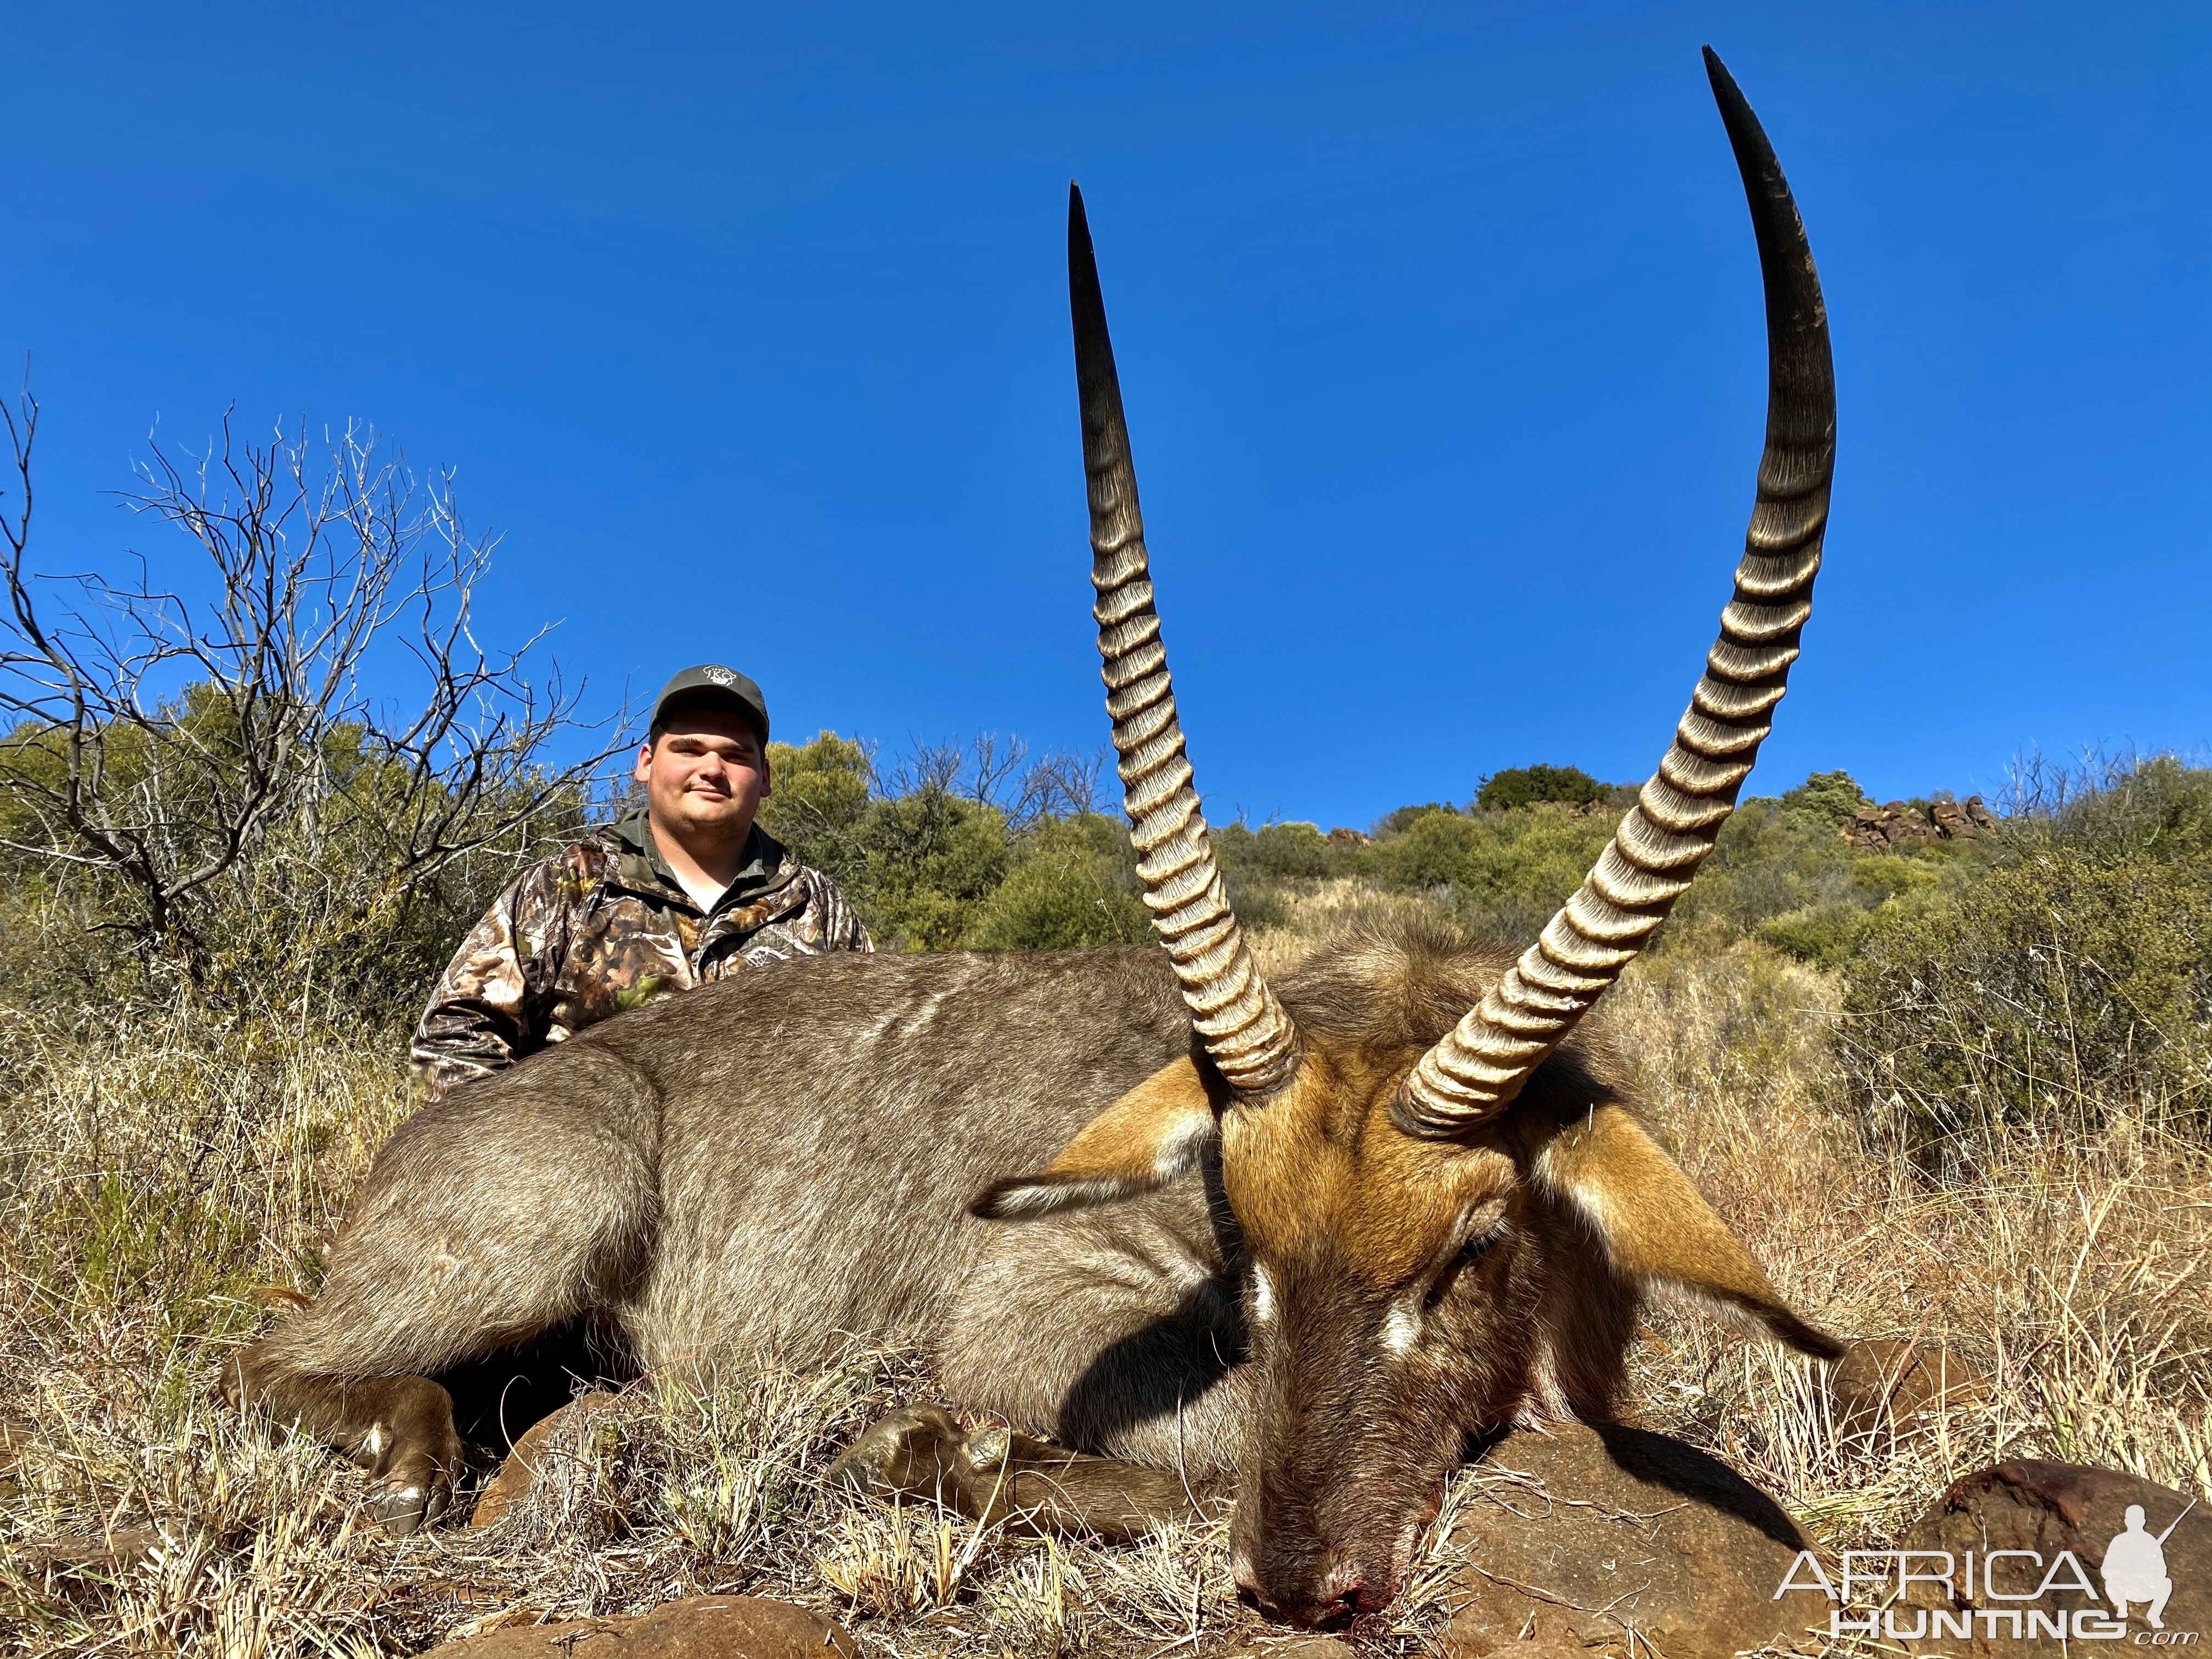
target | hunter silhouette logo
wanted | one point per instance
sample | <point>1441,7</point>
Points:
<point>2134,1567</point>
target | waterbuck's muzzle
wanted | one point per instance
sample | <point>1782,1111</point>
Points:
<point>1365,1384</point>
<point>1313,1549</point>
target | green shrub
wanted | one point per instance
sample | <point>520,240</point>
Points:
<point>931,867</point>
<point>1832,798</point>
<point>818,792</point>
<point>1073,882</point>
<point>1505,872</point>
<point>1399,818</point>
<point>1296,850</point>
<point>1782,872</point>
<point>928,860</point>
<point>2072,975</point>
<point>336,895</point>
<point>1529,785</point>
<point>1825,935</point>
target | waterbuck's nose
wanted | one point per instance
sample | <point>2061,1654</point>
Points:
<point>1340,1594</point>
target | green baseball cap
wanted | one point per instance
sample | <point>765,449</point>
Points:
<point>711,680</point>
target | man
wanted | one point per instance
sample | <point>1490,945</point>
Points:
<point>685,890</point>
<point>2134,1567</point>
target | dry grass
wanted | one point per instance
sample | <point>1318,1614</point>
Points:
<point>2070,1270</point>
<point>154,1179</point>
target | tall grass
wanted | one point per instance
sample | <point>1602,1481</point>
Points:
<point>2063,1259</point>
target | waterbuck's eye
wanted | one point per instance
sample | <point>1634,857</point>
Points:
<point>1473,1251</point>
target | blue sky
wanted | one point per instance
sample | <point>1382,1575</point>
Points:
<point>1438,327</point>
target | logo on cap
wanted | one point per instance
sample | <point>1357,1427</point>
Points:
<point>721,677</point>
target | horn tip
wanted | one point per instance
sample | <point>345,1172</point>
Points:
<point>1724,86</point>
<point>1078,227</point>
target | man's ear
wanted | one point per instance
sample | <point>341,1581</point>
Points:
<point>1657,1228</point>
<point>644,760</point>
<point>1156,1132</point>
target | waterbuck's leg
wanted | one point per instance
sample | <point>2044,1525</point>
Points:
<point>998,1475</point>
<point>510,1205</point>
<point>1116,1332</point>
<point>399,1428</point>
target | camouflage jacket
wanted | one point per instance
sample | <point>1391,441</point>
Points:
<point>605,927</point>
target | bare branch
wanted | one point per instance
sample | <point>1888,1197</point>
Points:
<point>180,733</point>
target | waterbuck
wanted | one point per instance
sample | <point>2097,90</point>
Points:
<point>1296,1241</point>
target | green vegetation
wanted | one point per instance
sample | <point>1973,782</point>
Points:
<point>361,883</point>
<point>161,1160</point>
<point>2065,974</point>
<point>970,850</point>
<point>1533,786</point>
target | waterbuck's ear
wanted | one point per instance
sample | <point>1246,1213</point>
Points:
<point>1655,1226</point>
<point>1158,1131</point>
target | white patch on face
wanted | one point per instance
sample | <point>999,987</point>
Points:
<point>1401,1328</point>
<point>1181,1146</point>
<point>1263,1294</point>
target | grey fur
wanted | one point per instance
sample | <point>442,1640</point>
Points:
<point>781,1164</point>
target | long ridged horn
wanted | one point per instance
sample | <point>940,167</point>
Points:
<point>1244,1028</point>
<point>1476,1071</point>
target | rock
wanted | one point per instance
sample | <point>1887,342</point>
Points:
<point>1900,823</point>
<point>697,1627</point>
<point>1343,837</point>
<point>1598,1537</point>
<point>2045,1508</point>
<point>1882,1385</point>
<point>1549,1637</point>
<point>546,1441</point>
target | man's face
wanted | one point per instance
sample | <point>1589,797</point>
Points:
<point>705,776</point>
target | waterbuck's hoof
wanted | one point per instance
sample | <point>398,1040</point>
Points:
<point>919,1452</point>
<point>404,1509</point>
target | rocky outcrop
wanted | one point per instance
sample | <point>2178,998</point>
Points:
<point>697,1627</point>
<point>1901,824</point>
<point>1622,1542</point>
